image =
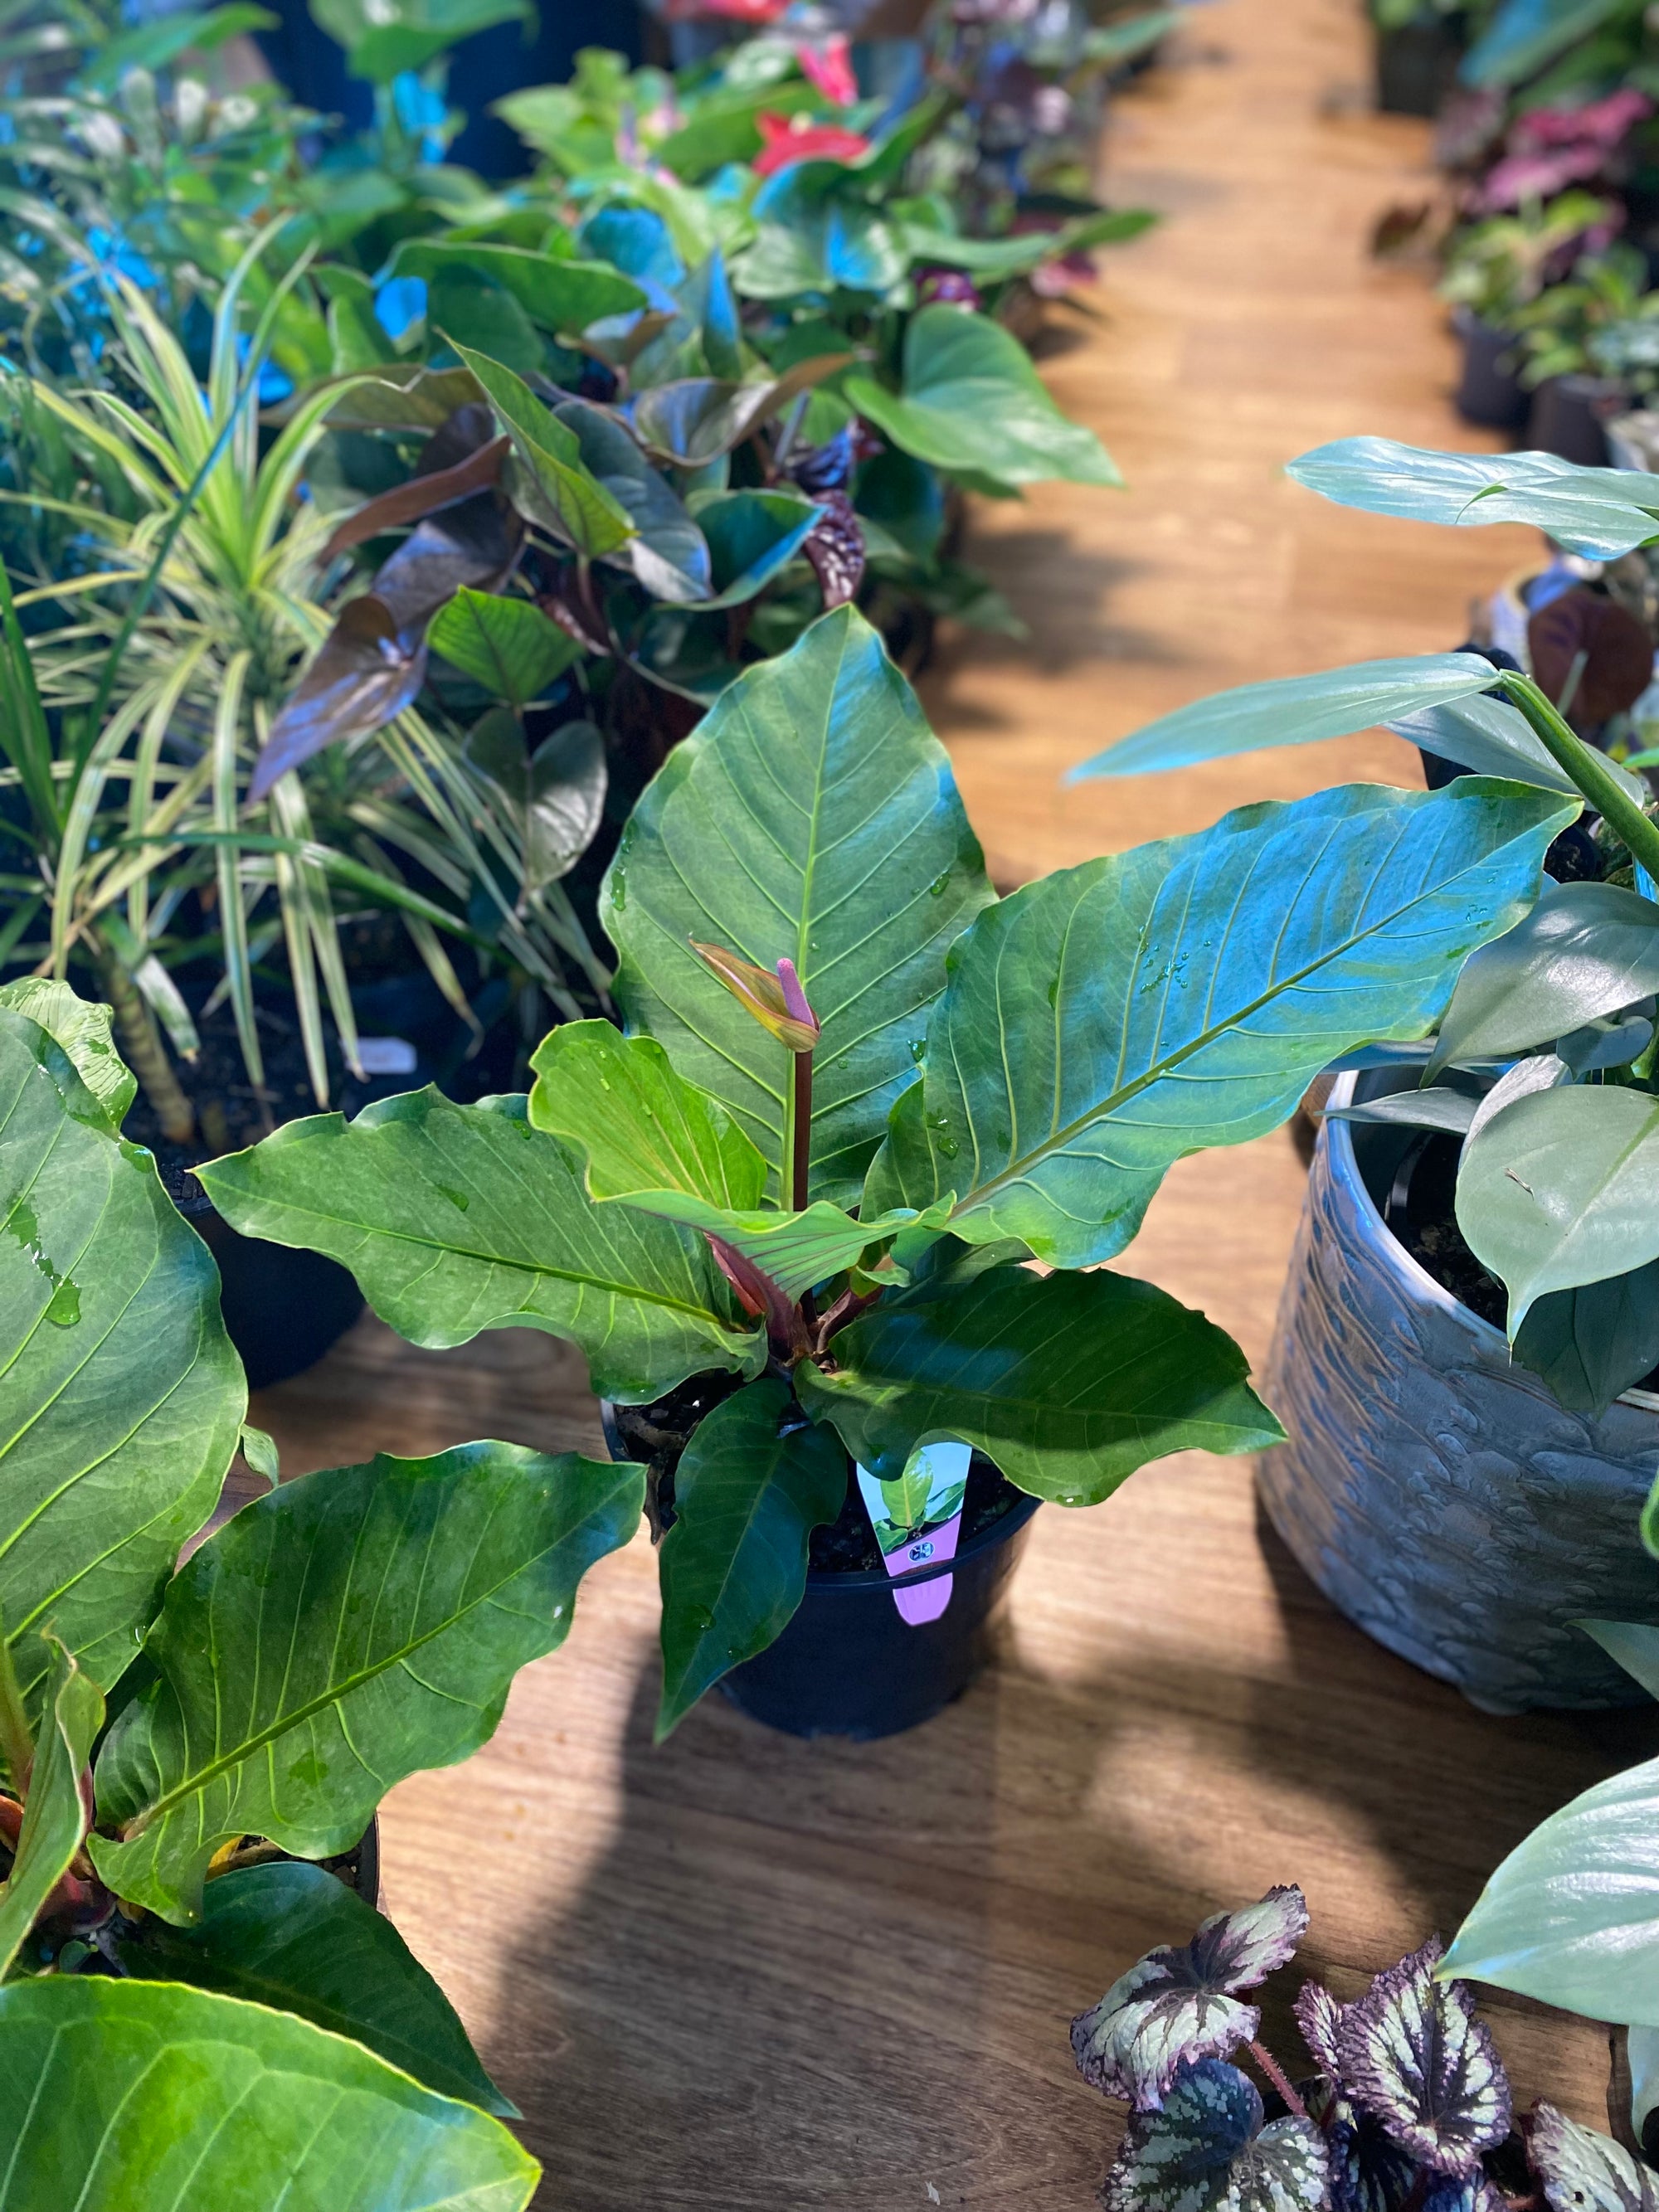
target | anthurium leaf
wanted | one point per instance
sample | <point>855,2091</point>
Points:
<point>555,796</point>
<point>1293,710</point>
<point>1583,950</point>
<point>1583,2171</point>
<point>750,536</point>
<point>1411,2051</point>
<point>83,1027</point>
<point>120,1396</point>
<point>694,420</point>
<point>1488,737</point>
<point>835,244</point>
<point>1187,992</point>
<point>1592,1342</point>
<point>558,294</point>
<point>812,813</point>
<point>1068,1382</point>
<point>746,1500</point>
<point>338,1633</point>
<point>56,1812</point>
<point>971,399</point>
<point>795,1249</point>
<point>293,1936</point>
<point>1436,1108</point>
<point>508,645</point>
<point>668,552</point>
<point>363,677</point>
<point>1206,2150</point>
<point>707,298</point>
<point>206,2100</point>
<point>1180,2002</point>
<point>402,396</point>
<point>1521,37</point>
<point>1600,512</point>
<point>638,1125</point>
<point>1562,1189</point>
<point>455,1219</point>
<point>1572,1916</point>
<point>559,490</point>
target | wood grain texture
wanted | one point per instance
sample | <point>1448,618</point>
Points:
<point>742,1972</point>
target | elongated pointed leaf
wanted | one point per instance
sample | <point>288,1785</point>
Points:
<point>336,1635</point>
<point>509,645</point>
<point>1489,737</point>
<point>1438,1108</point>
<point>668,552</point>
<point>1068,1382</point>
<point>971,400</point>
<point>1101,1024</point>
<point>559,296</point>
<point>813,814</point>
<point>1572,1916</point>
<point>293,1936</point>
<point>1585,950</point>
<point>120,1397</point>
<point>636,1124</point>
<point>455,1219</point>
<point>1593,1342</point>
<point>83,1029</point>
<point>1600,512</point>
<point>795,1249</point>
<point>1633,1644</point>
<point>149,2097</point>
<point>1294,710</point>
<point>56,1814</point>
<point>746,1500</point>
<point>555,485</point>
<point>1561,1189</point>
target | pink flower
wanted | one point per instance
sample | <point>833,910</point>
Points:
<point>1539,176</point>
<point>948,286</point>
<point>828,64</point>
<point>733,11</point>
<point>796,138</point>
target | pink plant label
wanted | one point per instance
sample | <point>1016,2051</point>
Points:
<point>917,1518</point>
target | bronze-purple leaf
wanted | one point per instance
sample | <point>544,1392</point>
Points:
<point>423,495</point>
<point>1412,2052</point>
<point>365,674</point>
<point>1590,655</point>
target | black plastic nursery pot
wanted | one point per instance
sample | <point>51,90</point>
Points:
<point>849,1664</point>
<point>1488,390</point>
<point>1416,67</point>
<point>1568,417</point>
<point>282,1309</point>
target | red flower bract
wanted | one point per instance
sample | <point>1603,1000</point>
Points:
<point>795,138</point>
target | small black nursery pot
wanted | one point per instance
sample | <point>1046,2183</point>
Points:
<point>1488,390</point>
<point>282,1308</point>
<point>1568,417</point>
<point>1416,67</point>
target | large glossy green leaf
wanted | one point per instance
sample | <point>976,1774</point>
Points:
<point>293,1936</point>
<point>971,399</point>
<point>55,1814</point>
<point>509,645</point>
<point>733,1565</point>
<point>336,1635</point>
<point>121,2096</point>
<point>552,481</point>
<point>455,1219</point>
<point>120,1397</point>
<point>813,814</point>
<point>1585,950</point>
<point>560,295</point>
<point>1591,1343</point>
<point>637,1125</point>
<point>83,1029</point>
<point>1100,1023</point>
<point>1561,1189</point>
<point>1600,512</point>
<point>1293,710</point>
<point>1069,1382</point>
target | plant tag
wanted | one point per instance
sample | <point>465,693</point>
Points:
<point>917,1518</point>
<point>385,1055</point>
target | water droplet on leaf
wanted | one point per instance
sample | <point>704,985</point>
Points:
<point>64,1309</point>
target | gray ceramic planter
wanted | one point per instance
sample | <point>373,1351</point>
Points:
<point>1441,1497</point>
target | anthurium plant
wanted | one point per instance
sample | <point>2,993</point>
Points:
<point>185,1746</point>
<point>857,1094</point>
<point>1408,2104</point>
<point>1544,1065</point>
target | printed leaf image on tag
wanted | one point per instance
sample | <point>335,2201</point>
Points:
<point>917,1517</point>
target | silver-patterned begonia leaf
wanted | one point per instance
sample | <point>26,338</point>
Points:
<point>1207,2151</point>
<point>1319,2016</point>
<point>1369,2171</point>
<point>1411,2051</point>
<point>1584,2171</point>
<point>1179,2003</point>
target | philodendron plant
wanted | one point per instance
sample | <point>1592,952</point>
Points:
<point>192,2008</point>
<point>857,1093</point>
<point>1407,2108</point>
<point>1549,1037</point>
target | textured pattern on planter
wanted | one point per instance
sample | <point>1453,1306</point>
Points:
<point>1442,1498</point>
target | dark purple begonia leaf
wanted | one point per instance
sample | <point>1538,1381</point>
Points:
<point>1207,2151</point>
<point>1584,2171</point>
<point>1178,2004</point>
<point>835,549</point>
<point>1411,2051</point>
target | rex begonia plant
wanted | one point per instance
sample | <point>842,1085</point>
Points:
<point>858,1093</point>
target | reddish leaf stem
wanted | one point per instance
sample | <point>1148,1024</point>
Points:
<point>801,1115</point>
<point>1280,2080</point>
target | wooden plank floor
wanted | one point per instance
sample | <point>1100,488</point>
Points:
<point>742,1972</point>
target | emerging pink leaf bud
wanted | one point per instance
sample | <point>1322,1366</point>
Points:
<point>776,1001</point>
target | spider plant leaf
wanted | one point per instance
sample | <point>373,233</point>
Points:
<point>83,1029</point>
<point>455,1219</point>
<point>695,420</point>
<point>1067,1382</point>
<point>508,645</point>
<point>371,1619</point>
<point>123,1399</point>
<point>555,796</point>
<point>564,296</point>
<point>747,1497</point>
<point>812,813</point>
<point>638,1125</point>
<point>1188,991</point>
<point>267,2112</point>
<point>56,1813</point>
<point>971,400</point>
